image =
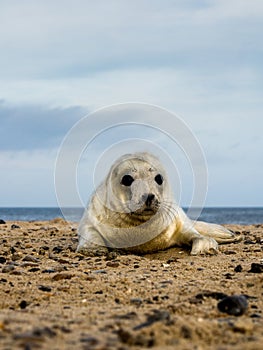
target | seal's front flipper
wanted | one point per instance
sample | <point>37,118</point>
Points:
<point>218,232</point>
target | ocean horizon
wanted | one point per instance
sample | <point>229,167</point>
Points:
<point>218,215</point>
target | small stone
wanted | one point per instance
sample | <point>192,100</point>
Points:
<point>235,305</point>
<point>238,268</point>
<point>44,288</point>
<point>34,269</point>
<point>99,292</point>
<point>30,258</point>
<point>112,264</point>
<point>57,250</point>
<point>136,301</point>
<point>2,222</point>
<point>100,271</point>
<point>8,268</point>
<point>62,276</point>
<point>89,341</point>
<point>2,260</point>
<point>49,271</point>
<point>256,268</point>
<point>14,226</point>
<point>23,304</point>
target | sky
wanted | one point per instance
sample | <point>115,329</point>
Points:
<point>61,61</point>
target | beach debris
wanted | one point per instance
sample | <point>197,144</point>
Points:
<point>256,268</point>
<point>2,222</point>
<point>235,305</point>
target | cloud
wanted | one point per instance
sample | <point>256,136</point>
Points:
<point>31,127</point>
<point>46,40</point>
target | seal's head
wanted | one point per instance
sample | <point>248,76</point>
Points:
<point>138,184</point>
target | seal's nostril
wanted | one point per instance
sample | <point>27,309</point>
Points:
<point>149,199</point>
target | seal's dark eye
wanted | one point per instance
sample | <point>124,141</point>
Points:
<point>127,180</point>
<point>158,179</point>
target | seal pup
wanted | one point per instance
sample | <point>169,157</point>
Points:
<point>134,210</point>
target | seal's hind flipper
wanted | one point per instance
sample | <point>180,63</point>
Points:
<point>218,232</point>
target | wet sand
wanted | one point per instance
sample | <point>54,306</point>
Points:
<point>54,298</point>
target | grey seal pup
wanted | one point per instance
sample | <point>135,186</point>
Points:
<point>134,210</point>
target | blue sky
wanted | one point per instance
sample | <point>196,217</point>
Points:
<point>201,60</point>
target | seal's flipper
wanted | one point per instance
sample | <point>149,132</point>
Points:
<point>218,232</point>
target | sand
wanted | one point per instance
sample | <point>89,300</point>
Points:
<point>54,298</point>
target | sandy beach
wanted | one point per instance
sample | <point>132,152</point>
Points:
<point>54,298</point>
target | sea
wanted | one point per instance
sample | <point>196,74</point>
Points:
<point>242,216</point>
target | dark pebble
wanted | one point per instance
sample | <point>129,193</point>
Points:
<point>8,268</point>
<point>136,301</point>
<point>2,222</point>
<point>2,260</point>
<point>34,269</point>
<point>45,288</point>
<point>23,304</point>
<point>248,241</point>
<point>238,268</point>
<point>57,250</point>
<point>30,258</point>
<point>62,276</point>
<point>111,256</point>
<point>112,264</point>
<point>256,268</point>
<point>49,271</point>
<point>235,305</point>
<point>100,271</point>
<point>214,295</point>
<point>91,341</point>
<point>14,226</point>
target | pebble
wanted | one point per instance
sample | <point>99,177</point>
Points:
<point>2,222</point>
<point>14,226</point>
<point>30,258</point>
<point>44,288</point>
<point>136,301</point>
<point>23,304</point>
<point>235,305</point>
<point>2,260</point>
<point>238,268</point>
<point>112,264</point>
<point>62,276</point>
<point>256,268</point>
<point>8,268</point>
<point>57,250</point>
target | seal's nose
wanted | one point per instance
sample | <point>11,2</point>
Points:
<point>149,199</point>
